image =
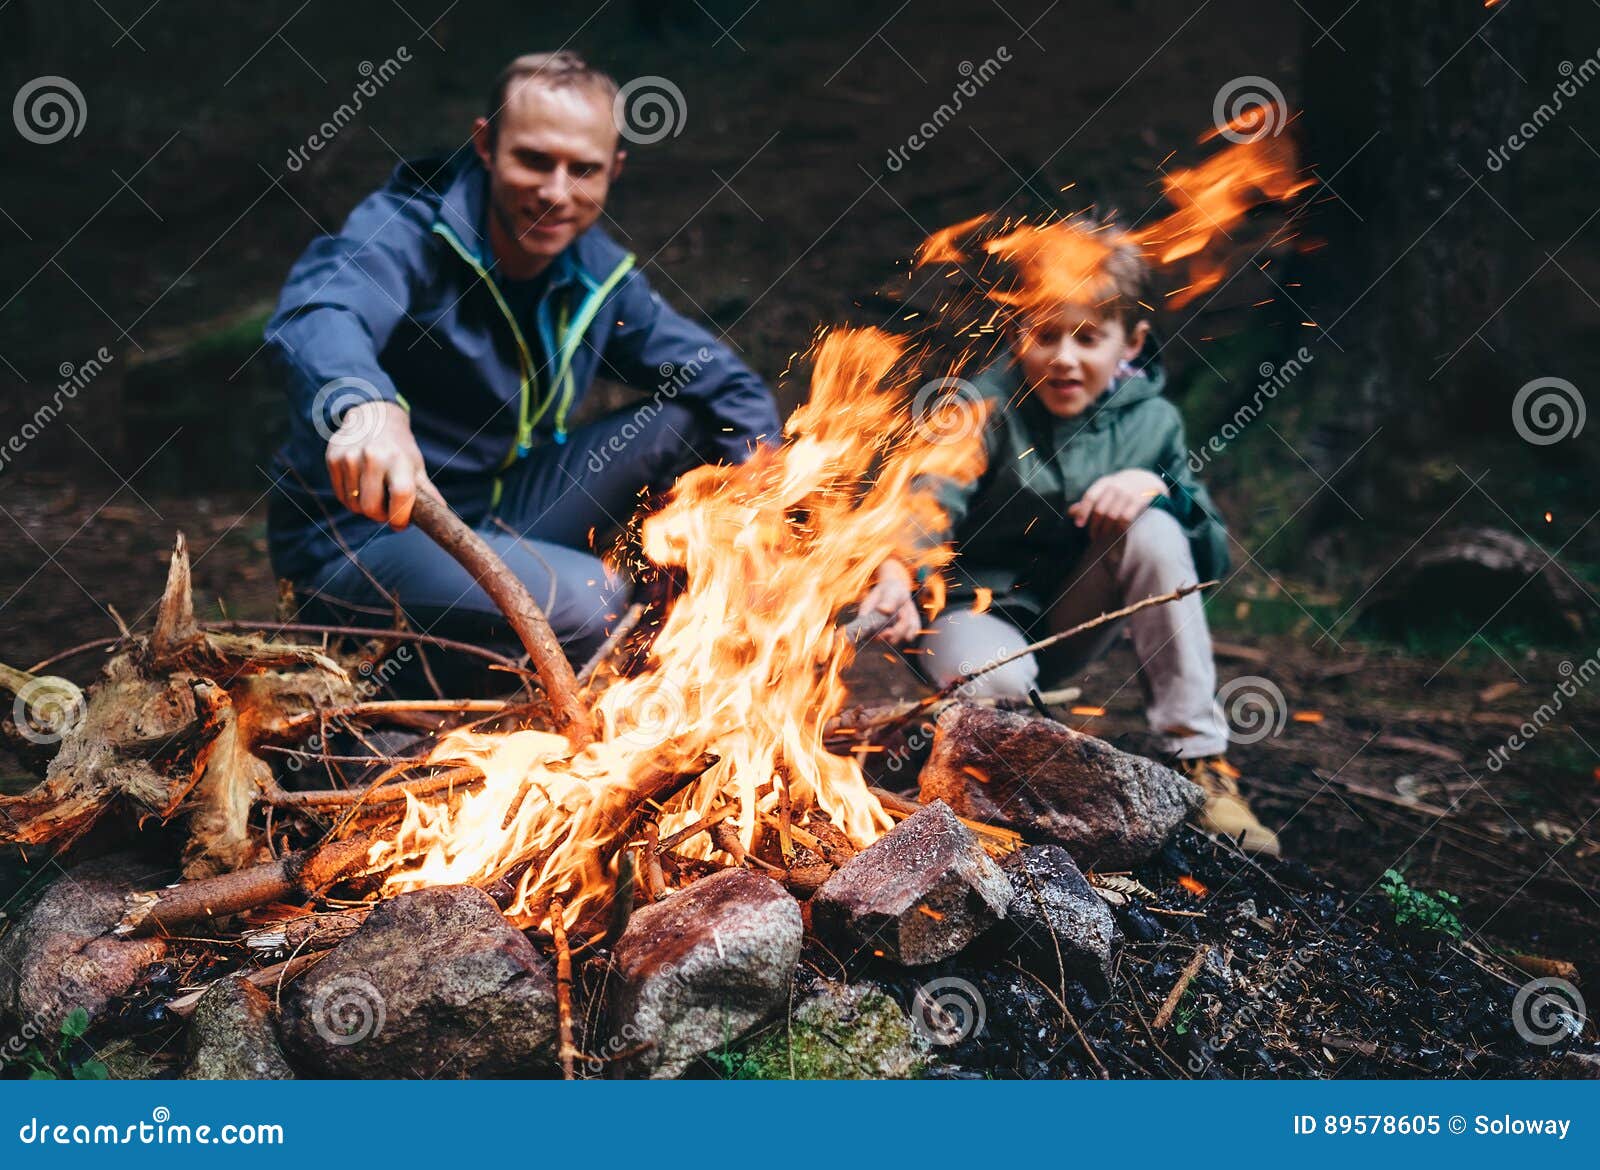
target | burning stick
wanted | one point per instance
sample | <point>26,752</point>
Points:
<point>302,874</point>
<point>558,932</point>
<point>451,533</point>
<point>373,794</point>
<point>1177,594</point>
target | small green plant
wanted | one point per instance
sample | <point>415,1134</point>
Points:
<point>1184,1016</point>
<point>1427,912</point>
<point>45,1065</point>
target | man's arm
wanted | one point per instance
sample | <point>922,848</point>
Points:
<point>342,301</point>
<point>657,350</point>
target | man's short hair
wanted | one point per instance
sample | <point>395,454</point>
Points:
<point>560,70</point>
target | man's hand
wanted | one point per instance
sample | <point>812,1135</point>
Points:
<point>1115,501</point>
<point>892,597</point>
<point>375,464</point>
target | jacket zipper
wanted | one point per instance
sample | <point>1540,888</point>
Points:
<point>524,435</point>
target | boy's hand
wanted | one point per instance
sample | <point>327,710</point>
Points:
<point>892,595</point>
<point>375,464</point>
<point>1115,501</point>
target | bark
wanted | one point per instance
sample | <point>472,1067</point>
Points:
<point>507,591</point>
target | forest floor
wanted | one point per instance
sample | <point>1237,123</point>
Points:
<point>786,137</point>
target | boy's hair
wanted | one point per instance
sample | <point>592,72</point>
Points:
<point>1126,273</point>
<point>1071,262</point>
<point>563,69</point>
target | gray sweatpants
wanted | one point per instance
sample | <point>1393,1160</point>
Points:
<point>1172,642</point>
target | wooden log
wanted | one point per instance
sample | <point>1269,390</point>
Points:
<point>433,516</point>
<point>558,931</point>
<point>302,874</point>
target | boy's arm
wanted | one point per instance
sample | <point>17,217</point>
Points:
<point>1190,504</point>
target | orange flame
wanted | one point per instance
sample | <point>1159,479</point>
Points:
<point>747,663</point>
<point>746,667</point>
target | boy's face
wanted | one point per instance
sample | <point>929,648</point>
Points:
<point>1069,357</point>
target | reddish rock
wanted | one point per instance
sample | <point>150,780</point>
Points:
<point>1109,808</point>
<point>921,893</point>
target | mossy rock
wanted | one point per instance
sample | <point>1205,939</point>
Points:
<point>842,1032</point>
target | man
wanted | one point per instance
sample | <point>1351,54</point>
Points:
<point>444,336</point>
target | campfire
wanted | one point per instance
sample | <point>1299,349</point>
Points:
<point>703,773</point>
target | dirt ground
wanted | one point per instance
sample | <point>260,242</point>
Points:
<point>771,213</point>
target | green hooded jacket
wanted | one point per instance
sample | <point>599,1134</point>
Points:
<point>1011,528</point>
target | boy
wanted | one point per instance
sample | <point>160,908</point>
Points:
<point>1087,505</point>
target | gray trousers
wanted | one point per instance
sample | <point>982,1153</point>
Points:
<point>1176,674</point>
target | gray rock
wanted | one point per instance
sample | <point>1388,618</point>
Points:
<point>1112,810</point>
<point>843,1031</point>
<point>232,1036</point>
<point>699,969</point>
<point>918,894</point>
<point>58,957</point>
<point>1056,908</point>
<point>1578,1066</point>
<point>436,983</point>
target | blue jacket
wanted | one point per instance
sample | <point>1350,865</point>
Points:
<point>401,306</point>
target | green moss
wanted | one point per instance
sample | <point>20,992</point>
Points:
<point>843,1033</point>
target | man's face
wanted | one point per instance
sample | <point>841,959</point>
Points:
<point>552,164</point>
<point>1069,357</point>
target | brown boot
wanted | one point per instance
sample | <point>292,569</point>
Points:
<point>1226,813</point>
